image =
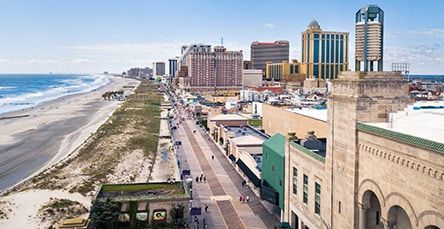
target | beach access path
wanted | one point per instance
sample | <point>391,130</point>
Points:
<point>34,139</point>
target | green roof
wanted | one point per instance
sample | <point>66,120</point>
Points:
<point>276,143</point>
<point>145,191</point>
<point>409,139</point>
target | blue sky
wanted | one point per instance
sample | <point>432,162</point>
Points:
<point>91,36</point>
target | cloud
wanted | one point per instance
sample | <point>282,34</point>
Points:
<point>424,58</point>
<point>269,25</point>
<point>37,61</point>
<point>5,61</point>
<point>81,61</point>
<point>437,33</point>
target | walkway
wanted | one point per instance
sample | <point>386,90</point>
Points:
<point>223,188</point>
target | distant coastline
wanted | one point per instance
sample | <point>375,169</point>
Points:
<point>24,91</point>
<point>425,77</point>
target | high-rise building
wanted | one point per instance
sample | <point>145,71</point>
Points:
<point>380,166</point>
<point>192,48</point>
<point>172,67</point>
<point>264,52</point>
<point>158,69</point>
<point>324,53</point>
<point>369,38</point>
<point>216,71</point>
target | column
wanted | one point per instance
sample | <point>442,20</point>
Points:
<point>385,223</point>
<point>363,215</point>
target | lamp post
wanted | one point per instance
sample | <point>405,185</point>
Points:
<point>191,206</point>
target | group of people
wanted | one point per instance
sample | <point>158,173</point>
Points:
<point>201,177</point>
<point>244,198</point>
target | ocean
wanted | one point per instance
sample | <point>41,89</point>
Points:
<point>20,91</point>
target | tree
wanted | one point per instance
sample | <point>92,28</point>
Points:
<point>104,214</point>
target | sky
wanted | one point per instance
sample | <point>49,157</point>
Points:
<point>93,36</point>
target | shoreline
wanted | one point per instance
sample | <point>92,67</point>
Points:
<point>61,125</point>
<point>22,206</point>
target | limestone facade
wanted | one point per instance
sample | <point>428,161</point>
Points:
<point>371,177</point>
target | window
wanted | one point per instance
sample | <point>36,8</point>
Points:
<point>295,181</point>
<point>339,207</point>
<point>305,197</point>
<point>317,198</point>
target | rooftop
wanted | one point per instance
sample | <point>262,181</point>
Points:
<point>127,192</point>
<point>320,114</point>
<point>423,120</point>
<point>223,117</point>
<point>240,131</point>
<point>248,139</point>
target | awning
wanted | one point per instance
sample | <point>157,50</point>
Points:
<point>253,178</point>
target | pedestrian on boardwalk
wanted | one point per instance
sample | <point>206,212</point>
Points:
<point>248,198</point>
<point>240,198</point>
<point>205,179</point>
<point>212,157</point>
<point>200,179</point>
<point>197,179</point>
<point>243,199</point>
<point>206,207</point>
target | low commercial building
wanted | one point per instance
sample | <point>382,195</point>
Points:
<point>276,119</point>
<point>144,204</point>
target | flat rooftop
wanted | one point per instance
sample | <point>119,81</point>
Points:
<point>423,119</point>
<point>163,190</point>
<point>319,114</point>
<point>245,131</point>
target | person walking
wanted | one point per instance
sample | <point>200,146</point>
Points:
<point>212,157</point>
<point>247,198</point>
<point>206,208</point>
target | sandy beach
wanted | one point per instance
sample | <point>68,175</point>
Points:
<point>36,138</point>
<point>49,134</point>
<point>45,134</point>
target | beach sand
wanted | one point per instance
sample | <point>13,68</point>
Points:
<point>42,136</point>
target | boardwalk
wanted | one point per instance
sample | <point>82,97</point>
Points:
<point>223,188</point>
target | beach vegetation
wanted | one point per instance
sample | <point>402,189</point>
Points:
<point>135,125</point>
<point>5,209</point>
<point>57,209</point>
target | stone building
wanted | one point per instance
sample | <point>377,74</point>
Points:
<point>278,120</point>
<point>378,171</point>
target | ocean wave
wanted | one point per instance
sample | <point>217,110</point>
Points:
<point>77,85</point>
<point>6,87</point>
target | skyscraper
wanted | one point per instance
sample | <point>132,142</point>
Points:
<point>172,67</point>
<point>158,69</point>
<point>274,52</point>
<point>187,49</point>
<point>324,53</point>
<point>369,38</point>
<point>220,70</point>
